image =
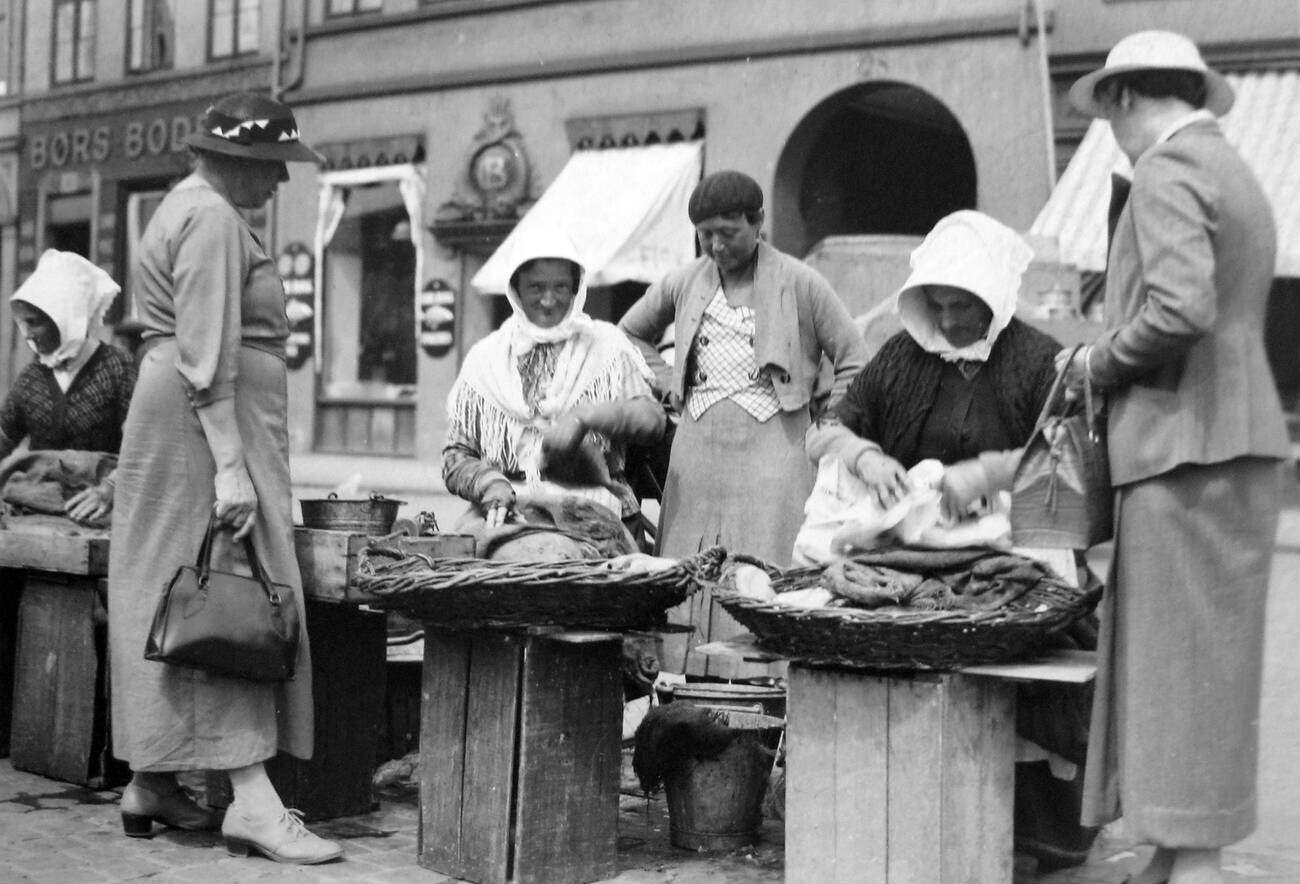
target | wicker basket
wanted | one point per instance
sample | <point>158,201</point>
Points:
<point>902,638</point>
<point>465,594</point>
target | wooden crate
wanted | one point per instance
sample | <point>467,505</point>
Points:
<point>347,669</point>
<point>905,780</point>
<point>520,757</point>
<point>59,727</point>
<point>11,585</point>
<point>328,559</point>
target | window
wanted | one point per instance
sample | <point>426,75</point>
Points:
<point>74,41</point>
<point>352,7</point>
<point>368,260</point>
<point>149,35</point>
<point>235,28</point>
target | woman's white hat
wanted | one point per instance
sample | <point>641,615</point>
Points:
<point>1153,51</point>
<point>74,293</point>
<point>974,252</point>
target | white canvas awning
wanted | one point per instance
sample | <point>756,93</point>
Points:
<point>1264,125</point>
<point>623,208</point>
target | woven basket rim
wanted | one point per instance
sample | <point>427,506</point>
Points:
<point>900,638</point>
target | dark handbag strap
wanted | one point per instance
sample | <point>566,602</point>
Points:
<point>1058,390</point>
<point>204,561</point>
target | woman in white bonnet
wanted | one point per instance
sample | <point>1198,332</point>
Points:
<point>963,384</point>
<point>550,387</point>
<point>76,393</point>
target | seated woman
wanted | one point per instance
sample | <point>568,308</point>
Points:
<point>77,392</point>
<point>964,383</point>
<point>543,406</point>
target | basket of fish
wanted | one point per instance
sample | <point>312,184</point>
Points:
<point>904,608</point>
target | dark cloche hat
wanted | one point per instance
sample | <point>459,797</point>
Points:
<point>724,193</point>
<point>246,124</point>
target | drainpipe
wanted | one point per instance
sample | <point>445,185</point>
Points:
<point>1040,24</point>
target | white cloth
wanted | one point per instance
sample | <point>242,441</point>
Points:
<point>971,251</point>
<point>725,367</point>
<point>74,293</point>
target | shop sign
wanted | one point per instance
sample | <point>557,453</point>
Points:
<point>437,317</point>
<point>125,138</point>
<point>296,266</point>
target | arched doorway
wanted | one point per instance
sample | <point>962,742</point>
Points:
<point>876,158</point>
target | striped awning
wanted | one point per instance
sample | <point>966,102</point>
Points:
<point>1264,125</point>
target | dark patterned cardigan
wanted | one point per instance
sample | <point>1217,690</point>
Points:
<point>88,417</point>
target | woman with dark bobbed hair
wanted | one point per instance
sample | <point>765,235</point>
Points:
<point>206,436</point>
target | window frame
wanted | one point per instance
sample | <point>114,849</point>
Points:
<point>79,37</point>
<point>234,31</point>
<point>353,11</point>
<point>148,30</point>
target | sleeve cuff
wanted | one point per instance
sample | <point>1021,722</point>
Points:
<point>200,398</point>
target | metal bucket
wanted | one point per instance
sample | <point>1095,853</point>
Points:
<point>717,803</point>
<point>374,515</point>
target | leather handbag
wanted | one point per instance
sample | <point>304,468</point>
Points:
<point>1061,497</point>
<point>225,623</point>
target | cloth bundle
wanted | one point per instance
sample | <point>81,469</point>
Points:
<point>43,481</point>
<point>841,517</point>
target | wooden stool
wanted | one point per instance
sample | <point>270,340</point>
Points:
<point>520,755</point>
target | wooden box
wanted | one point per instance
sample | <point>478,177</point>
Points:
<point>11,585</point>
<point>60,721</point>
<point>328,559</point>
<point>898,780</point>
<point>520,756</point>
<point>347,669</point>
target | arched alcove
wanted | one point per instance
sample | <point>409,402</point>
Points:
<point>876,158</point>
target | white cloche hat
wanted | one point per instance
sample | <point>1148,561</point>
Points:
<point>1153,51</point>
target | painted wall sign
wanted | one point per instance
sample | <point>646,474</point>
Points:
<point>295,266</point>
<point>437,317</point>
<point>110,141</point>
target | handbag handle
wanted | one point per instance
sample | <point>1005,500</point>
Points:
<point>1058,389</point>
<point>204,561</point>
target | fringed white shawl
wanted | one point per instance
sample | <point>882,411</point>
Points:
<point>597,363</point>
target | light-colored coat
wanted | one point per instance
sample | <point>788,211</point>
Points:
<point>1194,427</point>
<point>1191,263</point>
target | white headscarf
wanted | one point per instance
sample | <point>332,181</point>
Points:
<point>970,251</point>
<point>74,293</point>
<point>522,333</point>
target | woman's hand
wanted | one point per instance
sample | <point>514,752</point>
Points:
<point>236,504</point>
<point>565,435</point>
<point>498,503</point>
<point>884,477</point>
<point>91,504</point>
<point>963,485</point>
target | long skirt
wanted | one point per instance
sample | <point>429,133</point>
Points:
<point>168,718</point>
<point>734,482</point>
<point>1174,738</point>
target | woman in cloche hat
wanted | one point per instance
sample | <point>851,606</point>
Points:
<point>205,438</point>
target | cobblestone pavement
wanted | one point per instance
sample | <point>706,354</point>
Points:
<point>63,834</point>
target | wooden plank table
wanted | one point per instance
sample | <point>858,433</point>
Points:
<point>903,778</point>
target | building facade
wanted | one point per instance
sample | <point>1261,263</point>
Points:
<point>444,121</point>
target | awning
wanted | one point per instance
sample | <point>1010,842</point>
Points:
<point>623,208</point>
<point>1264,125</point>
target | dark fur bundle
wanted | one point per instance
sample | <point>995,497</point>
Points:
<point>671,734</point>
